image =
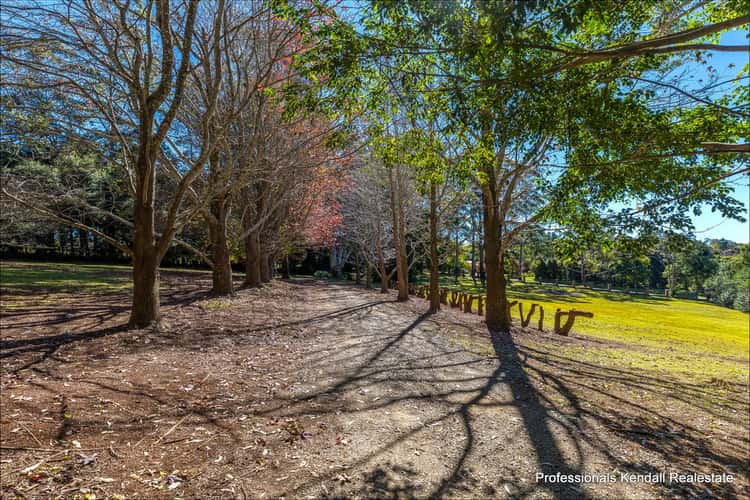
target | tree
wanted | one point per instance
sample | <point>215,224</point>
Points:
<point>367,223</point>
<point>730,286</point>
<point>694,263</point>
<point>252,56</point>
<point>129,65</point>
<point>512,120</point>
<point>181,98</point>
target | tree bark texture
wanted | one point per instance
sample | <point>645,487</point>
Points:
<point>221,275</point>
<point>434,263</point>
<point>496,315</point>
<point>252,260</point>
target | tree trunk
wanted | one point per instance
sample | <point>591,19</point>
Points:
<point>337,259</point>
<point>473,249</point>
<point>397,209</point>
<point>146,258</point>
<point>332,261</point>
<point>456,270</point>
<point>286,270</point>
<point>583,272</point>
<point>357,274</point>
<point>368,276</point>
<point>496,315</point>
<point>383,278</point>
<point>403,280</point>
<point>266,269</point>
<point>434,264</point>
<point>672,280</point>
<point>145,309</point>
<point>252,260</point>
<point>83,241</point>
<point>222,270</point>
<point>482,273</point>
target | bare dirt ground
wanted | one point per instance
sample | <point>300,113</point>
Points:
<point>308,390</point>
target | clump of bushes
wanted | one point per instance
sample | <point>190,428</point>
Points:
<point>730,287</point>
<point>321,275</point>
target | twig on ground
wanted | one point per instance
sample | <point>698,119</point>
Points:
<point>138,443</point>
<point>177,440</point>
<point>43,461</point>
<point>31,434</point>
<point>27,448</point>
<point>170,430</point>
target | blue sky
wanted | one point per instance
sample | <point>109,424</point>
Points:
<point>713,225</point>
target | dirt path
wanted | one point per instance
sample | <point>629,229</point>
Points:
<point>427,417</point>
<point>309,390</point>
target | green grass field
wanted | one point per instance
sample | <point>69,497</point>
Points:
<point>59,277</point>
<point>53,277</point>
<point>678,332</point>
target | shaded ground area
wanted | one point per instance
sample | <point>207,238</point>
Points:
<point>310,389</point>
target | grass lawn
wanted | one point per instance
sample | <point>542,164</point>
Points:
<point>677,332</point>
<point>59,277</point>
<point>56,277</point>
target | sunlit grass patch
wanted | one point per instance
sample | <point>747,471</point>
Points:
<point>689,336</point>
<point>696,367</point>
<point>63,277</point>
<point>685,325</point>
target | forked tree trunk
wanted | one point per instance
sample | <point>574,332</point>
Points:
<point>496,315</point>
<point>252,260</point>
<point>434,264</point>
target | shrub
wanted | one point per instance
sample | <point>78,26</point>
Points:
<point>321,275</point>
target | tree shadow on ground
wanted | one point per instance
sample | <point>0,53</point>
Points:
<point>40,349</point>
<point>93,315</point>
<point>458,480</point>
<point>99,311</point>
<point>566,408</point>
<point>560,412</point>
